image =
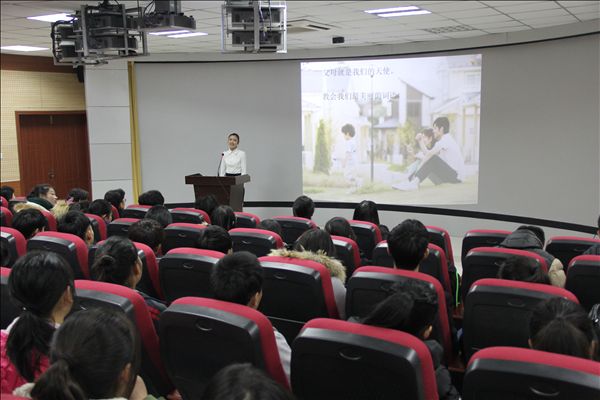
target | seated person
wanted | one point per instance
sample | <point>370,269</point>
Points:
<point>42,284</point>
<point>151,198</point>
<point>215,238</point>
<point>60,209</point>
<point>117,262</point>
<point>316,245</point>
<point>412,308</point>
<point>76,223</point>
<point>238,278</point>
<point>522,269</point>
<point>148,232</point>
<point>43,195</point>
<point>206,203</point>
<point>303,207</point>
<point>224,217</point>
<point>339,226</point>
<point>595,249</point>
<point>77,194</point>
<point>116,198</point>
<point>532,238</point>
<point>270,225</point>
<point>160,214</point>
<point>29,222</point>
<point>7,192</point>
<point>102,209</point>
<point>560,326</point>
<point>366,210</point>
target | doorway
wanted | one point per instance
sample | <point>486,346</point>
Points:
<point>53,149</point>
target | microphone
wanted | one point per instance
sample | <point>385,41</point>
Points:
<point>220,161</point>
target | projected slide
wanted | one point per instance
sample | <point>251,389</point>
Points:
<point>395,131</point>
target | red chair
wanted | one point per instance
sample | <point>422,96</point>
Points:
<point>114,212</point>
<point>181,234</point>
<point>497,312</point>
<point>190,215</point>
<point>565,248</point>
<point>367,236</point>
<point>150,282</point>
<point>198,337</point>
<point>583,279</point>
<point>4,202</point>
<point>441,238</point>
<point>50,219</point>
<point>120,227</point>
<point>99,227</point>
<point>482,238</point>
<point>71,247</point>
<point>259,242</point>
<point>15,242</point>
<point>246,220</point>
<point>334,359</point>
<point>135,211</point>
<point>293,227</point>
<point>515,373</point>
<point>6,216</point>
<point>347,252</point>
<point>9,310</point>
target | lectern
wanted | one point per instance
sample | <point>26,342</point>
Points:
<point>227,189</point>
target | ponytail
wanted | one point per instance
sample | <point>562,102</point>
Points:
<point>58,383</point>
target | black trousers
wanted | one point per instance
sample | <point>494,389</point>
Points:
<point>437,171</point>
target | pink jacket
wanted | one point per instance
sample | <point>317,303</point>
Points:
<point>10,379</point>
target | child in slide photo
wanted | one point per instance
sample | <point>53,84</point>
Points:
<point>350,160</point>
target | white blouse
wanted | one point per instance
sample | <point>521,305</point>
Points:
<point>233,162</point>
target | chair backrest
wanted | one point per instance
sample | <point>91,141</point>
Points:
<point>583,279</point>
<point>120,226</point>
<point>135,211</point>
<point>51,223</point>
<point>150,282</point>
<point>115,212</point>
<point>259,242</point>
<point>6,216</point>
<point>512,373</point>
<point>4,202</point>
<point>15,242</point>
<point>370,285</point>
<point>190,215</point>
<point>334,359</point>
<point>186,271</point>
<point>91,294</point>
<point>482,238</point>
<point>484,262</point>
<point>293,227</point>
<point>497,312</point>
<point>71,247</point>
<point>246,220</point>
<point>181,234</point>
<point>198,337</point>
<point>565,248</point>
<point>294,292</point>
<point>99,227</point>
<point>9,310</point>
<point>441,238</point>
<point>367,236</point>
<point>347,252</point>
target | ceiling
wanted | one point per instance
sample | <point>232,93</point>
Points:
<point>344,18</point>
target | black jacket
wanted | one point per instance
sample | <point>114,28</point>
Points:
<point>524,239</point>
<point>446,391</point>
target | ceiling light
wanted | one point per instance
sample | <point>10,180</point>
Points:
<point>404,13</point>
<point>52,17</point>
<point>161,33</point>
<point>191,34</point>
<point>392,9</point>
<point>23,48</point>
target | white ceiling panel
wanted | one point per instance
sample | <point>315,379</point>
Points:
<point>537,6</point>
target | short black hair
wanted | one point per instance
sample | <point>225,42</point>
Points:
<point>206,203</point>
<point>74,222</point>
<point>366,210</point>
<point>315,240</point>
<point>151,198</point>
<point>28,220</point>
<point>303,207</point>
<point>536,230</point>
<point>270,224</point>
<point>100,207</point>
<point>407,244</point>
<point>237,277</point>
<point>349,130</point>
<point>216,238</point>
<point>7,192</point>
<point>523,269</point>
<point>160,214</point>
<point>442,122</point>
<point>234,134</point>
<point>115,197</point>
<point>78,194</point>
<point>223,216</point>
<point>148,232</point>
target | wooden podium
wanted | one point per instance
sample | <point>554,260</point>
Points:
<point>228,190</point>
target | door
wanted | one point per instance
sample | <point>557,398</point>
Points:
<point>53,148</point>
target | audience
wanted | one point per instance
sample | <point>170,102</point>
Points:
<point>270,225</point>
<point>76,223</point>
<point>7,192</point>
<point>117,262</point>
<point>77,194</point>
<point>238,278</point>
<point>224,217</point>
<point>29,222</point>
<point>151,198</point>
<point>413,309</point>
<point>206,203</point>
<point>560,326</point>
<point>303,207</point>
<point>148,232</point>
<point>102,209</point>
<point>60,209</point>
<point>522,269</point>
<point>41,283</point>
<point>407,244</point>
<point>595,249</point>
<point>339,226</point>
<point>532,238</point>
<point>160,214</point>
<point>43,195</point>
<point>216,238</point>
<point>366,210</point>
<point>116,198</point>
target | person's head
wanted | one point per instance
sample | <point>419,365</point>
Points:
<point>233,140</point>
<point>160,214</point>
<point>441,126</point>
<point>77,194</point>
<point>41,283</point>
<point>95,355</point>
<point>315,240</point>
<point>339,226</point>
<point>216,238</point>
<point>116,198</point>
<point>348,131</point>
<point>223,216</point>
<point>29,222</point>
<point>412,308</point>
<point>7,192</point>
<point>536,230</point>
<point>429,137</point>
<point>151,198</point>
<point>82,205</point>
<point>366,210</point>
<point>60,209</point>
<point>148,232</point>
<point>102,209</point>
<point>303,207</point>
<point>76,223</point>
<point>270,225</point>
<point>407,244</point>
<point>244,382</point>
<point>116,261</point>
<point>560,326</point>
<point>238,278</point>
<point>522,269</point>
<point>44,191</point>
<point>206,203</point>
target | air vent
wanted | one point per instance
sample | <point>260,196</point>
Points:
<point>450,29</point>
<point>305,25</point>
